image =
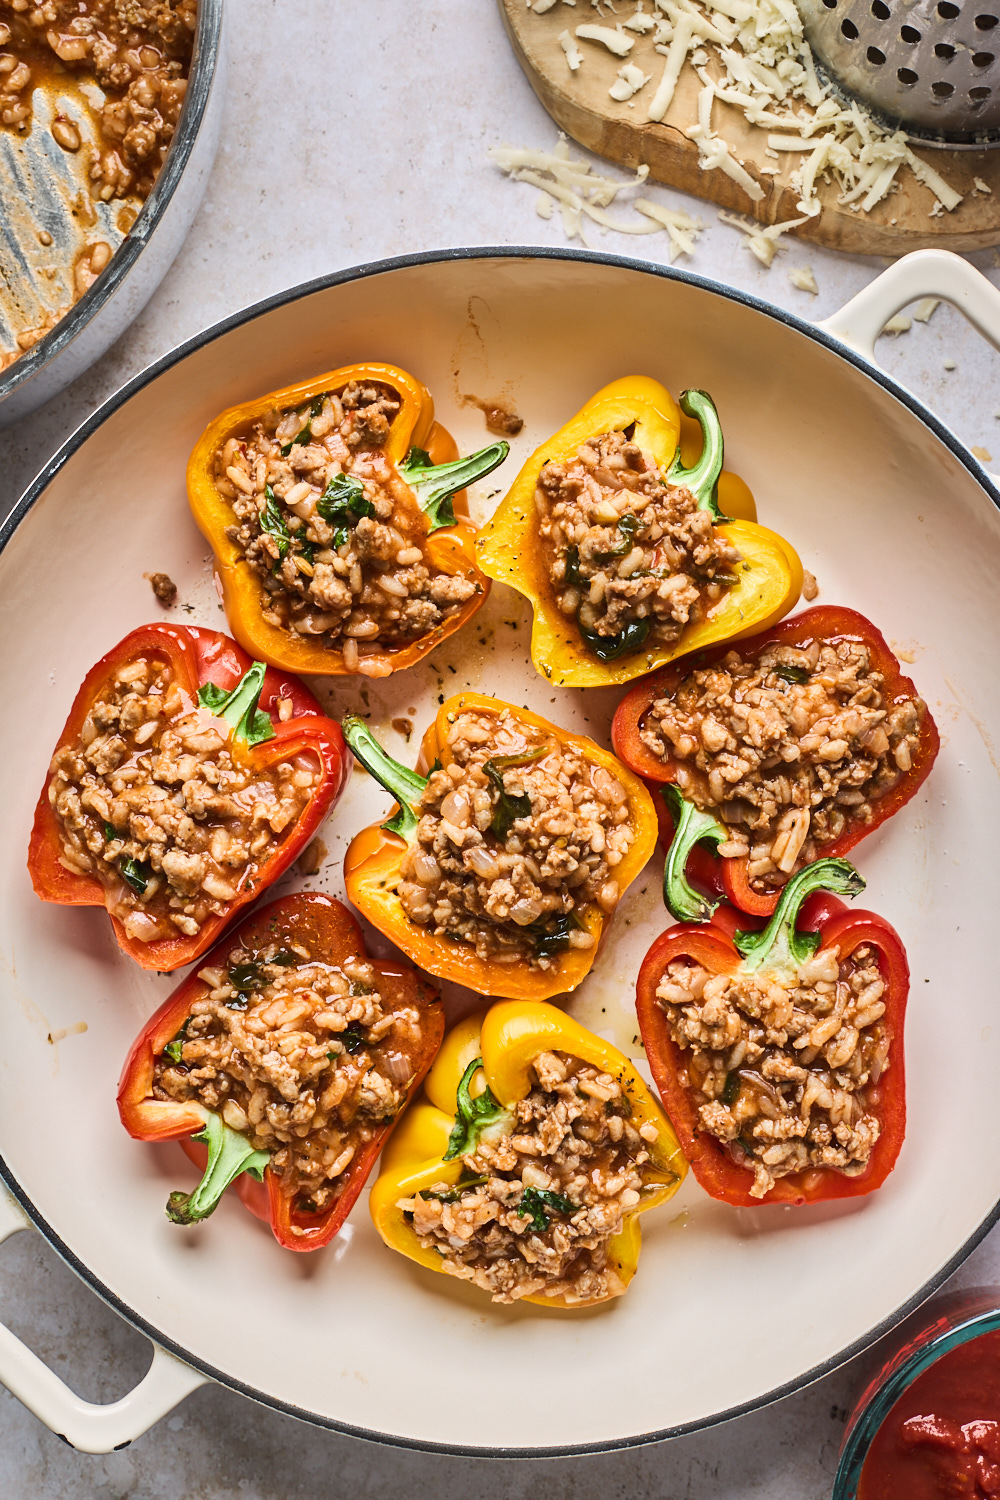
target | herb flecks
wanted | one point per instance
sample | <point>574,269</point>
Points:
<point>791,674</point>
<point>273,523</point>
<point>342,505</point>
<point>536,1200</point>
<point>175,1048</point>
<point>354,1039</point>
<point>549,938</point>
<point>508,808</point>
<point>135,874</point>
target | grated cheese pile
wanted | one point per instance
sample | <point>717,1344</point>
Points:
<point>580,192</point>
<point>751,56</point>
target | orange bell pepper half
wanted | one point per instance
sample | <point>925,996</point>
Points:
<point>373,864</point>
<point>421,454</point>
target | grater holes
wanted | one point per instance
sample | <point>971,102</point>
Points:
<point>850,30</point>
<point>985,23</point>
<point>979,94</point>
<point>875,56</point>
<point>947,11</point>
<point>944,50</point>
<point>910,34</point>
<point>880,10</point>
<point>943,90</point>
<point>982,59</point>
<point>907,76</point>
<point>830,4</point>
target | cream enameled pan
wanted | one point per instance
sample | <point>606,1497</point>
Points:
<point>729,1308</point>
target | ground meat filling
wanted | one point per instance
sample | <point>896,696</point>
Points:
<point>516,837</point>
<point>538,1205</point>
<point>298,1055</point>
<point>156,803</point>
<point>785,748</point>
<point>784,1069</point>
<point>335,536</point>
<point>623,545</point>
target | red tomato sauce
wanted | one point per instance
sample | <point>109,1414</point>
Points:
<point>941,1440</point>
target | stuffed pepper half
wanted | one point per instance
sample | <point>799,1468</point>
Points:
<point>186,780</point>
<point>796,743</point>
<point>331,509</point>
<point>524,1165</point>
<point>779,1054</point>
<point>501,867</point>
<point>624,551</point>
<point>286,1060</point>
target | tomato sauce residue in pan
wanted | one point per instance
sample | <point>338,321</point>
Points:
<point>941,1440</point>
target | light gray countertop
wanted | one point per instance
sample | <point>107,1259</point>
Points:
<point>356,131</point>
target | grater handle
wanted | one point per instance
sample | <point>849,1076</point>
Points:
<point>923,273</point>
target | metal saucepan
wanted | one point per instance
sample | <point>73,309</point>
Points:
<point>731,1308</point>
<point>141,259</point>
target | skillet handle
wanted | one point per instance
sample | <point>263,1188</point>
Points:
<point>923,273</point>
<point>86,1425</point>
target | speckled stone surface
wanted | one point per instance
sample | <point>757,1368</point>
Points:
<point>356,131</point>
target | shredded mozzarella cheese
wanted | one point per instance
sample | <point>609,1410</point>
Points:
<point>581,193</point>
<point>752,55</point>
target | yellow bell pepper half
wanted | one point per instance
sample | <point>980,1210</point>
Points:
<point>510,550</point>
<point>505,1040</point>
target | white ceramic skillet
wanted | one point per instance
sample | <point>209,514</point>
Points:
<point>730,1308</point>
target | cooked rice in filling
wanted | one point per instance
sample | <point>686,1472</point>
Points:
<point>507,857</point>
<point>542,1200</point>
<point>785,748</point>
<point>156,803</point>
<point>625,545</point>
<point>298,1055</point>
<point>335,536</point>
<point>784,1069</point>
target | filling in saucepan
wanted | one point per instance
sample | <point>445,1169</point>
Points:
<point>301,1056</point>
<point>785,1070</point>
<point>629,554</point>
<point>517,836</point>
<point>158,803</point>
<point>335,536</point>
<point>785,748</point>
<point>540,1199</point>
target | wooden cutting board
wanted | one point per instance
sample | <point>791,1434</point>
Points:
<point>580,104</point>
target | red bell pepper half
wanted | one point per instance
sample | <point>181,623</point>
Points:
<point>211,669</point>
<point>720,948</point>
<point>693,830</point>
<point>330,935</point>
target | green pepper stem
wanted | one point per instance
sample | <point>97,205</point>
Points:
<point>781,945</point>
<point>238,708</point>
<point>229,1154</point>
<point>691,826</point>
<point>405,785</point>
<point>472,1115</point>
<point>435,484</point>
<point>702,479</point>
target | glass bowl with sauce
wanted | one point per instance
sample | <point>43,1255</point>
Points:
<point>927,1425</point>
